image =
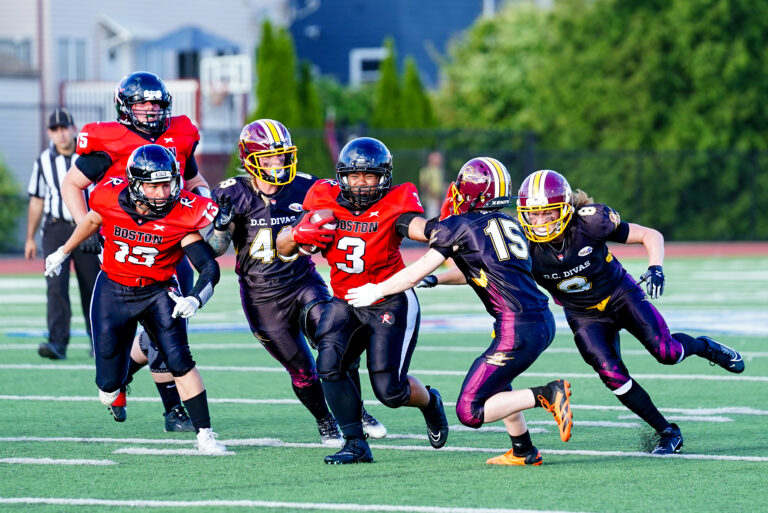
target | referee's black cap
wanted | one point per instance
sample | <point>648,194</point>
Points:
<point>60,117</point>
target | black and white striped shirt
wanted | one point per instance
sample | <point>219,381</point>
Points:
<point>45,181</point>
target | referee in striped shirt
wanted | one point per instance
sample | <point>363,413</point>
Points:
<point>45,204</point>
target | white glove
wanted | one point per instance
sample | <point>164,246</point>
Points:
<point>364,296</point>
<point>185,307</point>
<point>54,261</point>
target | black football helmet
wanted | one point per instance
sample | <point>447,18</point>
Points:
<point>364,155</point>
<point>140,87</point>
<point>153,163</point>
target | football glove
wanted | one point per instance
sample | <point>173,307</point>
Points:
<point>224,217</point>
<point>185,307</point>
<point>307,232</point>
<point>446,210</point>
<point>54,261</point>
<point>366,295</point>
<point>91,245</point>
<point>654,281</point>
<point>427,282</point>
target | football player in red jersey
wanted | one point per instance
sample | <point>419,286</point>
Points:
<point>572,261</point>
<point>278,294</point>
<point>148,224</point>
<point>491,254</point>
<point>143,106</point>
<point>372,218</point>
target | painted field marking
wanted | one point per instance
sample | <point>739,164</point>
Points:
<point>141,503</point>
<point>462,373</point>
<point>52,461</point>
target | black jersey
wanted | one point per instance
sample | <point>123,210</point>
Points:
<point>580,272</point>
<point>493,254</point>
<point>258,219</point>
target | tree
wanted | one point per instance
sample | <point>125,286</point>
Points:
<point>312,154</point>
<point>386,105</point>
<point>415,107</point>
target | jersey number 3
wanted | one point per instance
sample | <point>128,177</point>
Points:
<point>138,255</point>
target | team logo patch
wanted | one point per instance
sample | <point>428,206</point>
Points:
<point>614,217</point>
<point>586,250</point>
<point>187,202</point>
<point>387,318</point>
<point>115,181</point>
<point>296,207</point>
<point>498,359</point>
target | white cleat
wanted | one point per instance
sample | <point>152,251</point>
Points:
<point>107,398</point>
<point>372,427</point>
<point>207,443</point>
<point>330,436</point>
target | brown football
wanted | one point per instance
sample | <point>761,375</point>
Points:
<point>317,215</point>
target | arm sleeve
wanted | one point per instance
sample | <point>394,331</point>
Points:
<point>190,169</point>
<point>94,165</point>
<point>403,222</point>
<point>201,256</point>
<point>620,234</point>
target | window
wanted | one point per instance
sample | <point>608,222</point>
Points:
<point>189,64</point>
<point>364,64</point>
<point>71,59</point>
<point>19,49</point>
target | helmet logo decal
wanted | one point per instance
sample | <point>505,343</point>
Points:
<point>153,95</point>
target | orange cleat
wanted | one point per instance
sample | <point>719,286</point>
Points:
<point>509,458</point>
<point>560,407</point>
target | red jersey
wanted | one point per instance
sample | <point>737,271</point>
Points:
<point>138,249</point>
<point>118,141</point>
<point>365,247</point>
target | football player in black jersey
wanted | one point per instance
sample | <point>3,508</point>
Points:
<point>492,256</point>
<point>278,293</point>
<point>571,261</point>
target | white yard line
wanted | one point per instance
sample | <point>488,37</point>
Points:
<point>139,503</point>
<point>52,461</point>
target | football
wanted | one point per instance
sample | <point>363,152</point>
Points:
<point>317,215</point>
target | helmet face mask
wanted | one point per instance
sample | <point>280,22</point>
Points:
<point>364,155</point>
<point>544,205</point>
<point>482,183</point>
<point>136,89</point>
<point>153,164</point>
<point>268,138</point>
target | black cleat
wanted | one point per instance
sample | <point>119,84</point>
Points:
<point>437,423</point>
<point>723,356</point>
<point>178,420</point>
<point>670,441</point>
<point>117,408</point>
<point>52,351</point>
<point>355,450</point>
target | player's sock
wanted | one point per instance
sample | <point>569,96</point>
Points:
<point>133,368</point>
<point>639,402</point>
<point>169,394</point>
<point>690,345</point>
<point>521,444</point>
<point>354,374</point>
<point>197,407</point>
<point>313,399</point>
<point>344,400</point>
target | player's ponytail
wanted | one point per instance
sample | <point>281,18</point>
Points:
<point>581,198</point>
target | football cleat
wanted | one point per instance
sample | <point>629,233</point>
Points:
<point>437,423</point>
<point>207,443</point>
<point>355,450</point>
<point>372,427</point>
<point>560,407</point>
<point>330,436</point>
<point>178,420</point>
<point>117,408</point>
<point>107,398</point>
<point>52,351</point>
<point>532,457</point>
<point>723,356</point>
<point>670,441</point>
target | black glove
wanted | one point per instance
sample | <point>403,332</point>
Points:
<point>427,282</point>
<point>224,217</point>
<point>654,278</point>
<point>91,245</point>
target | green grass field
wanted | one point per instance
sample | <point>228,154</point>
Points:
<point>61,451</point>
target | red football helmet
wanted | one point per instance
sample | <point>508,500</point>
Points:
<point>267,138</point>
<point>482,183</point>
<point>544,191</point>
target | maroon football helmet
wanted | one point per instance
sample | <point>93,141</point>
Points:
<point>482,183</point>
<point>541,192</point>
<point>267,138</point>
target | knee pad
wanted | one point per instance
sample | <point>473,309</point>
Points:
<point>302,379</point>
<point>306,326</point>
<point>614,375</point>
<point>668,351</point>
<point>469,414</point>
<point>388,392</point>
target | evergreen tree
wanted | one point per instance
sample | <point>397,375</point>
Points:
<point>308,137</point>
<point>386,105</point>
